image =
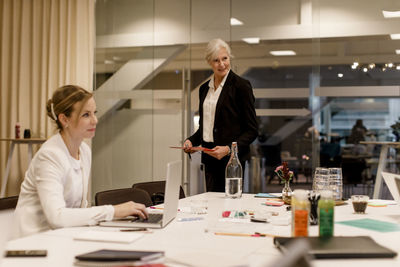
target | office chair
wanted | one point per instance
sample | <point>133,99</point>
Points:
<point>8,202</point>
<point>156,190</point>
<point>118,196</point>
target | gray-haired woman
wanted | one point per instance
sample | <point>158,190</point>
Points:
<point>227,115</point>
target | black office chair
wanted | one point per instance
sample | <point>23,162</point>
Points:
<point>118,196</point>
<point>156,190</point>
<point>8,202</point>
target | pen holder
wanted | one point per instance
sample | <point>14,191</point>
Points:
<point>313,198</point>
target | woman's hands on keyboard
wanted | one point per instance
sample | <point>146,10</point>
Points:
<point>130,208</point>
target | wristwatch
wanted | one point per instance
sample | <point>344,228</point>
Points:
<point>229,151</point>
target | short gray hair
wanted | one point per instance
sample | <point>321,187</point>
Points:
<point>214,46</point>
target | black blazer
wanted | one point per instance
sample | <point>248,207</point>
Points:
<point>235,117</point>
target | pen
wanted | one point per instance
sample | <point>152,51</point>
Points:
<point>256,234</point>
<point>133,230</point>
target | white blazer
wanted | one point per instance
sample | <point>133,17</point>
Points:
<point>53,193</point>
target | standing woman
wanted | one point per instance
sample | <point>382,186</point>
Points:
<point>53,193</point>
<point>227,115</point>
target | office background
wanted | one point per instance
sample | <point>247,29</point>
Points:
<point>144,59</point>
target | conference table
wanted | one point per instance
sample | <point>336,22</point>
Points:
<point>191,239</point>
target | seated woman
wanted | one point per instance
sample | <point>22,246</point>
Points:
<point>54,191</point>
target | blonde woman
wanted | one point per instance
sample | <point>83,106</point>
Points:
<point>53,194</point>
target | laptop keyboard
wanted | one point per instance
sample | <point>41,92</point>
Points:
<point>153,218</point>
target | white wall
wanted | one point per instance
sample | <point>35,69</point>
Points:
<point>133,146</point>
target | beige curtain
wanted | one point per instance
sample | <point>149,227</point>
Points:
<point>43,44</point>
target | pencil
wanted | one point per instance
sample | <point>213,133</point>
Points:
<point>256,234</point>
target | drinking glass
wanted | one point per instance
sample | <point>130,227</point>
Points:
<point>336,182</point>
<point>360,203</point>
<point>321,179</point>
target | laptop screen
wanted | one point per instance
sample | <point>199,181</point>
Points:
<point>174,170</point>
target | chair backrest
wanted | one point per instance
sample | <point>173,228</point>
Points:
<point>118,196</point>
<point>156,190</point>
<point>8,202</point>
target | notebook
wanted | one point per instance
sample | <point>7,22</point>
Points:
<point>393,182</point>
<point>171,200</point>
<point>340,247</point>
<point>119,255</point>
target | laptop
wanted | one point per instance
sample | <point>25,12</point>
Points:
<point>171,199</point>
<point>393,182</point>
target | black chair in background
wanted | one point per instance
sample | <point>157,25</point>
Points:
<point>118,196</point>
<point>8,202</point>
<point>156,190</point>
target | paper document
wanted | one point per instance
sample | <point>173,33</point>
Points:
<point>375,225</point>
<point>197,148</point>
<point>102,236</point>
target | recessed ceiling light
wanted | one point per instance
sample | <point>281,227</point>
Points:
<point>236,22</point>
<point>391,14</point>
<point>252,40</point>
<point>398,51</point>
<point>395,36</point>
<point>340,75</point>
<point>283,53</point>
<point>365,69</point>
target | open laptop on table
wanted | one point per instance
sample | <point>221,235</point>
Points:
<point>393,182</point>
<point>171,198</point>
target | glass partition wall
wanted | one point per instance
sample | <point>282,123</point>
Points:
<point>316,67</point>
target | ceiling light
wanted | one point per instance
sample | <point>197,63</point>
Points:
<point>355,63</point>
<point>391,14</point>
<point>340,75</point>
<point>395,36</point>
<point>252,40</point>
<point>353,67</point>
<point>235,22</point>
<point>371,66</point>
<point>390,65</point>
<point>283,53</point>
<point>365,69</point>
<point>398,67</point>
<point>398,51</point>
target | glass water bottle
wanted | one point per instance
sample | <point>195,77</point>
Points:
<point>233,174</point>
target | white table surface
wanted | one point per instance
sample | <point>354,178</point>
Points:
<point>189,243</point>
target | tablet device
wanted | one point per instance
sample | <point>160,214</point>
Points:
<point>340,247</point>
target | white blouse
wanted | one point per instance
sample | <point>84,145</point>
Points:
<point>54,191</point>
<point>209,107</point>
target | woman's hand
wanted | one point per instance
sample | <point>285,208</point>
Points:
<point>188,146</point>
<point>130,208</point>
<point>218,152</point>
